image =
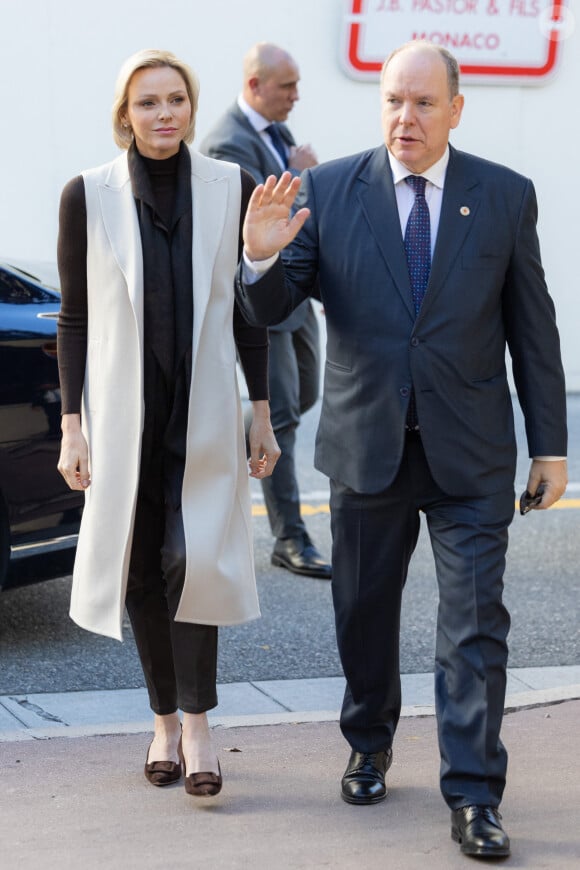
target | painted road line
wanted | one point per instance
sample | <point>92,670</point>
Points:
<point>565,503</point>
<point>309,510</point>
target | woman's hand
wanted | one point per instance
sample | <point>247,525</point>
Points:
<point>264,450</point>
<point>268,227</point>
<point>73,462</point>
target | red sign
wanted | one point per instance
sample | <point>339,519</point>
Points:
<point>501,41</point>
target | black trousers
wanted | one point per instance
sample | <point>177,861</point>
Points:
<point>294,379</point>
<point>373,539</point>
<point>179,659</point>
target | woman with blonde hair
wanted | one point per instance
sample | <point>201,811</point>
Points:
<point>152,426</point>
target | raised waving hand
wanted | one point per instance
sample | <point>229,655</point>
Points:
<point>268,226</point>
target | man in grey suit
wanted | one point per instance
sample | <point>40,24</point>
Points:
<point>252,133</point>
<point>429,265</point>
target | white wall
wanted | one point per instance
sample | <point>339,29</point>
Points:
<point>60,59</point>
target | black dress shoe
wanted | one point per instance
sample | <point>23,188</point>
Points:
<point>300,556</point>
<point>364,778</point>
<point>479,832</point>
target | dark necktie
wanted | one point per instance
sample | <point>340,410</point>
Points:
<point>277,142</point>
<point>418,250</point>
<point>418,241</point>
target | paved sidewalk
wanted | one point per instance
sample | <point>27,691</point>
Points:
<point>74,797</point>
<point>84,804</point>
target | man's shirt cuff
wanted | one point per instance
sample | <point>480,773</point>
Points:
<point>252,270</point>
<point>550,458</point>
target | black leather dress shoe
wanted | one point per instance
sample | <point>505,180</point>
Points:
<point>300,556</point>
<point>479,832</point>
<point>364,778</point>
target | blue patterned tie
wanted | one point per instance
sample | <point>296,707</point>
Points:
<point>418,250</point>
<point>418,241</point>
<point>278,143</point>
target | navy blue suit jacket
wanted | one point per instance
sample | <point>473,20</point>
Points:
<point>486,290</point>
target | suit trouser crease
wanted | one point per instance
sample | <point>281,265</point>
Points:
<point>471,650</point>
<point>373,539</point>
<point>294,375</point>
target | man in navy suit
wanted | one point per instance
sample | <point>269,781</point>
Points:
<point>253,133</point>
<point>417,414</point>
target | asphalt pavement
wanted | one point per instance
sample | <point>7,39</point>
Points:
<point>42,650</point>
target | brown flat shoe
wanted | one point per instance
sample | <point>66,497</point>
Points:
<point>201,784</point>
<point>162,773</point>
<point>204,784</point>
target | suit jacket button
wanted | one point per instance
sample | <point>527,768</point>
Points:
<point>415,342</point>
<point>404,391</point>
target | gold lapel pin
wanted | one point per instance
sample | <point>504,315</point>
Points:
<point>464,210</point>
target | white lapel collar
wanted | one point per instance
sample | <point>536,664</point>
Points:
<point>122,227</point>
<point>209,198</point>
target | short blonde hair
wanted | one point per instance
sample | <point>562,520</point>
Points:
<point>150,57</point>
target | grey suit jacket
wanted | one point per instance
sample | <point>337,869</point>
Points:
<point>486,290</point>
<point>234,139</point>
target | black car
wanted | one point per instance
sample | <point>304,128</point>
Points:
<point>37,509</point>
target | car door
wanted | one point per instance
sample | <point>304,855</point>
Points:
<point>35,495</point>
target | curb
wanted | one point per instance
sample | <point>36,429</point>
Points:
<point>516,702</point>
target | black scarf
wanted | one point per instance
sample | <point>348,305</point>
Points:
<point>162,191</point>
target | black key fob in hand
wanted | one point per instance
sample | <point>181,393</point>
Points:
<point>529,501</point>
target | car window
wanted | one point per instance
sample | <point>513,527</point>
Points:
<point>16,291</point>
